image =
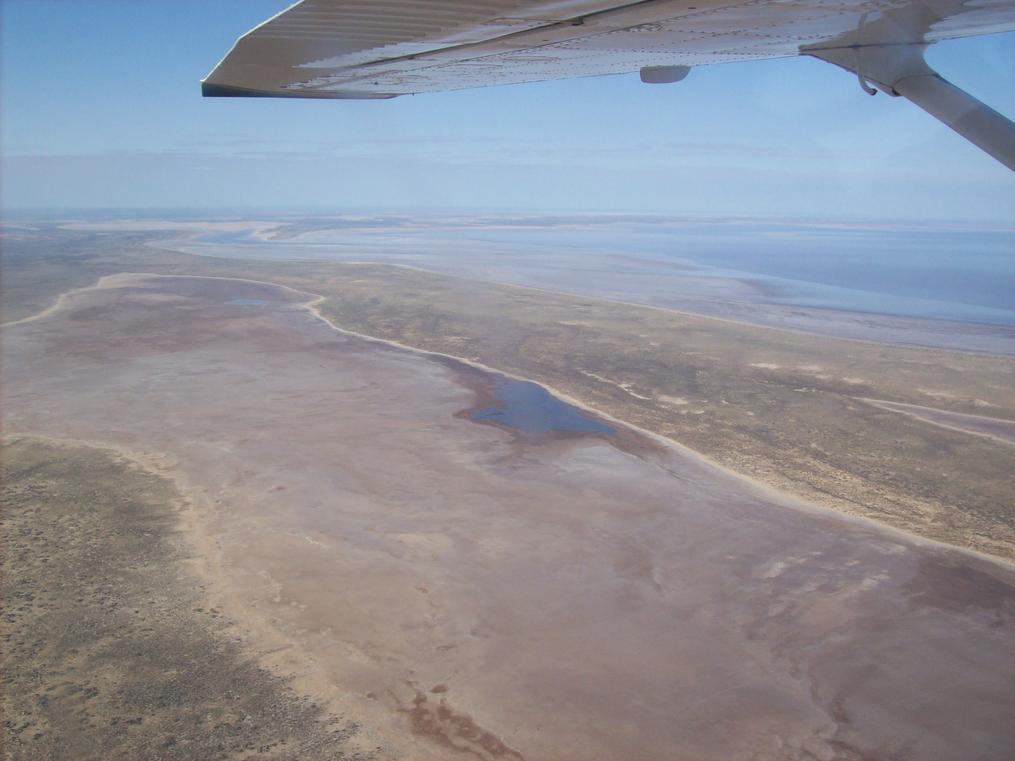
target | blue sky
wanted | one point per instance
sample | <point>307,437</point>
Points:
<point>101,108</point>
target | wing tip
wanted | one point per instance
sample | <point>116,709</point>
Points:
<point>215,90</point>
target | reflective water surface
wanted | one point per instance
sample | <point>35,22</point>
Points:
<point>530,408</point>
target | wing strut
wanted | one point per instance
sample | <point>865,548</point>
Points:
<point>902,70</point>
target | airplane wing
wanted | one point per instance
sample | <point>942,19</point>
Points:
<point>385,48</point>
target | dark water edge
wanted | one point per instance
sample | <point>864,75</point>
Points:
<point>528,407</point>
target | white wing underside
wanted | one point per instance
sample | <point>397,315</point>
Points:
<point>385,48</point>
<point>371,48</point>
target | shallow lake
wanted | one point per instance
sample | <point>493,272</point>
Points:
<point>529,407</point>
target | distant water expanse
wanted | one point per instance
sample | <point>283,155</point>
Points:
<point>948,286</point>
<point>944,273</point>
<point>954,274</point>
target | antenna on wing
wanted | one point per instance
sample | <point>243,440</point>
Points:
<point>864,84</point>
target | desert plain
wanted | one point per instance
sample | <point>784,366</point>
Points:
<point>427,585</point>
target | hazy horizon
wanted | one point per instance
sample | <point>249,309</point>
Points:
<point>126,126</point>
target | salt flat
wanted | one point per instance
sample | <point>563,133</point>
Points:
<point>458,585</point>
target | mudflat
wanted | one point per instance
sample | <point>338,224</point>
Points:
<point>455,585</point>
